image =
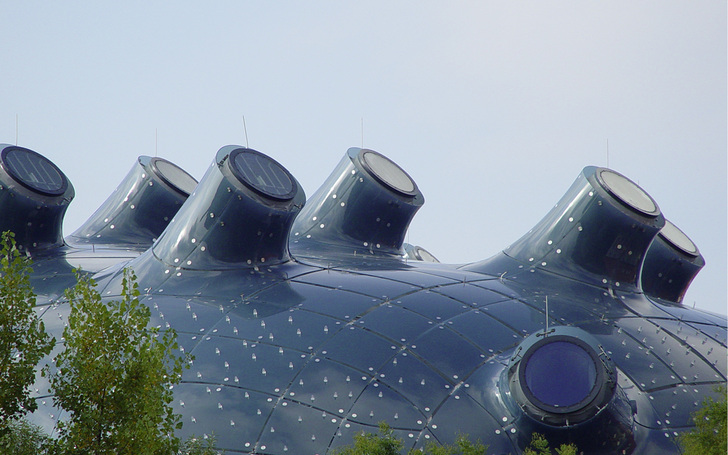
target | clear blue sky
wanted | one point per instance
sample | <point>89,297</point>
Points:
<point>492,107</point>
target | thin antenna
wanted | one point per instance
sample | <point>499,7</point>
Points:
<point>16,129</point>
<point>245,128</point>
<point>362,132</point>
<point>607,152</point>
<point>547,314</point>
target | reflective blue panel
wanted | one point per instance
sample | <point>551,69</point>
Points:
<point>302,338</point>
<point>262,174</point>
<point>643,411</point>
<point>267,286</point>
<point>675,406</point>
<point>378,402</point>
<point>235,416</point>
<point>447,352</point>
<point>261,367</point>
<point>363,284</point>
<point>396,323</point>
<point>716,332</point>
<point>355,346</point>
<point>670,342</point>
<point>292,329</point>
<point>517,315</point>
<point>416,381</point>
<point>447,423</point>
<point>411,275</point>
<point>298,428</point>
<point>633,358</point>
<point>140,208</point>
<point>496,338</point>
<point>466,294</point>
<point>34,171</point>
<point>327,385</point>
<point>455,274</point>
<point>638,305</point>
<point>431,305</point>
<point>349,429</point>
<point>483,387</point>
<point>560,373</point>
<point>185,315</point>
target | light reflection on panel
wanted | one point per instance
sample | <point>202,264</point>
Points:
<point>645,369</point>
<point>359,348</point>
<point>306,331</point>
<point>447,352</point>
<point>431,305</point>
<point>416,381</point>
<point>445,422</point>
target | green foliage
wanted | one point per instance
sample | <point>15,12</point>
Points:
<point>540,446</point>
<point>196,446</point>
<point>114,378</point>
<point>23,339</point>
<point>462,446</point>
<point>710,435</point>
<point>24,438</point>
<point>386,443</point>
<point>567,449</point>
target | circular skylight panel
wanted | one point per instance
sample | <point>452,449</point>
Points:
<point>262,174</point>
<point>678,239</point>
<point>174,176</point>
<point>34,171</point>
<point>628,192</point>
<point>388,173</point>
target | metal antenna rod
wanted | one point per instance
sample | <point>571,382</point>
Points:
<point>547,313</point>
<point>245,128</point>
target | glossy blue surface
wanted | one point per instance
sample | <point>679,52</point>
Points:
<point>560,374</point>
<point>310,321</point>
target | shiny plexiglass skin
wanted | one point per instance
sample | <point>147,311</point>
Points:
<point>311,320</point>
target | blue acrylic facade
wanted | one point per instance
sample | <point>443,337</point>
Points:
<point>311,320</point>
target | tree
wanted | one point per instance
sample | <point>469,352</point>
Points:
<point>25,438</point>
<point>462,446</point>
<point>196,446</point>
<point>115,375</point>
<point>386,443</point>
<point>23,339</point>
<point>540,446</point>
<point>710,434</point>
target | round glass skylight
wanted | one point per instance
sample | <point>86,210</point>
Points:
<point>262,174</point>
<point>388,173</point>
<point>34,171</point>
<point>627,192</point>
<point>678,239</point>
<point>174,175</point>
<point>560,374</point>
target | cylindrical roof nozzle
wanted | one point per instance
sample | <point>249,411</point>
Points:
<point>599,231</point>
<point>670,265</point>
<point>561,377</point>
<point>34,197</point>
<point>140,208</point>
<point>364,207</point>
<point>239,215</point>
